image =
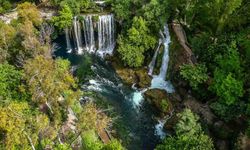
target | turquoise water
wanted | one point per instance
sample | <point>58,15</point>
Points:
<point>136,122</point>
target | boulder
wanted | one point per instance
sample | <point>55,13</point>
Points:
<point>143,79</point>
<point>160,100</point>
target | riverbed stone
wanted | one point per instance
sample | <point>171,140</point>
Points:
<point>143,78</point>
<point>160,100</point>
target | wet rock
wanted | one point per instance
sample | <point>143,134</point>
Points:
<point>143,78</point>
<point>160,100</point>
<point>127,75</point>
<point>134,76</point>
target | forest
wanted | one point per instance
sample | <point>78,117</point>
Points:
<point>124,74</point>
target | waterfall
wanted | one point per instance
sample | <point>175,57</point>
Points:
<point>77,33</point>
<point>105,34</point>
<point>89,33</point>
<point>165,59</point>
<point>69,48</point>
<point>103,44</point>
<point>159,81</point>
<point>152,63</point>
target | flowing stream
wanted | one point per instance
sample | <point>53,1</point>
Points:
<point>137,125</point>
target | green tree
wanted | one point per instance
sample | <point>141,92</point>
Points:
<point>227,82</point>
<point>7,35</point>
<point>64,20</point>
<point>194,74</point>
<point>137,41</point>
<point>91,119</point>
<point>227,9</point>
<point>5,5</point>
<point>227,87</point>
<point>91,141</point>
<point>28,11</point>
<point>113,145</point>
<point>10,82</point>
<point>121,9</point>
<point>51,83</point>
<point>20,125</point>
<point>155,14</point>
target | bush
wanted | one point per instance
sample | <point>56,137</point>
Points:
<point>135,43</point>
<point>195,75</point>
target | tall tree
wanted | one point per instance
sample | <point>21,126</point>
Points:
<point>51,83</point>
<point>137,41</point>
<point>28,11</point>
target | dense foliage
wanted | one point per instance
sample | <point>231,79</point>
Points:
<point>132,48</point>
<point>189,135</point>
<point>194,74</point>
<point>38,93</point>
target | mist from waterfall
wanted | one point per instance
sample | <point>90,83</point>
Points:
<point>92,33</point>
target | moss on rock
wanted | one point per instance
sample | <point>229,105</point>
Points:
<point>160,100</point>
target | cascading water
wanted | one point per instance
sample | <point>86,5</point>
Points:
<point>159,81</point>
<point>105,34</point>
<point>152,63</point>
<point>69,48</point>
<point>78,39</point>
<point>88,30</point>
<point>104,43</point>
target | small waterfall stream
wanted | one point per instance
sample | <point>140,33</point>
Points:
<point>152,63</point>
<point>92,33</point>
<point>159,81</point>
<point>69,48</point>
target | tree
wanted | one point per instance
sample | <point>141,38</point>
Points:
<point>189,135</point>
<point>137,41</point>
<point>121,9</point>
<point>227,82</point>
<point>28,11</point>
<point>64,20</point>
<point>92,119</point>
<point>227,87</point>
<point>91,141</point>
<point>19,126</point>
<point>227,10</point>
<point>51,83</point>
<point>5,5</point>
<point>28,44</point>
<point>113,145</point>
<point>10,82</point>
<point>155,14</point>
<point>196,74</point>
<point>7,35</point>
